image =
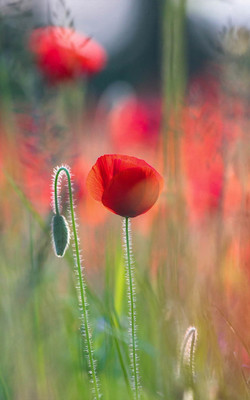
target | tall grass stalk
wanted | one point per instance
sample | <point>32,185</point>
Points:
<point>173,83</point>
<point>80,278</point>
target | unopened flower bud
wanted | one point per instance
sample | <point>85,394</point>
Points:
<point>60,234</point>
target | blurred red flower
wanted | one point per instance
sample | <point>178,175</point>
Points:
<point>135,124</point>
<point>202,144</point>
<point>126,185</point>
<point>63,54</point>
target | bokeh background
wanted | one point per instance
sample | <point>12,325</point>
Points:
<point>175,92</point>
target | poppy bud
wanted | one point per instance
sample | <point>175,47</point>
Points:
<point>60,234</point>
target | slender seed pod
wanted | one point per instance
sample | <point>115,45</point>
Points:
<point>60,234</point>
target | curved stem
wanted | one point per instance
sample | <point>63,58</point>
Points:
<point>131,285</point>
<point>82,293</point>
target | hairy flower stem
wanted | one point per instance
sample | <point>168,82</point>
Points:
<point>131,295</point>
<point>82,291</point>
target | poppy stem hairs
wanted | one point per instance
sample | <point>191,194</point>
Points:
<point>132,311</point>
<point>60,236</point>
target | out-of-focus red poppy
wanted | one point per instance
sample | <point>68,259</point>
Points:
<point>63,54</point>
<point>202,160</point>
<point>203,126</point>
<point>135,124</point>
<point>126,185</point>
<point>205,188</point>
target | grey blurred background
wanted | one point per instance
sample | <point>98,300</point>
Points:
<point>129,30</point>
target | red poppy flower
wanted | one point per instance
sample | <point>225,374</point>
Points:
<point>125,185</point>
<point>63,54</point>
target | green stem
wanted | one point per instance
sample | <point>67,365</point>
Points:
<point>120,355</point>
<point>131,292</point>
<point>82,292</point>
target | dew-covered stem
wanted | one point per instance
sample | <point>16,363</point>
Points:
<point>81,284</point>
<point>132,312</point>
